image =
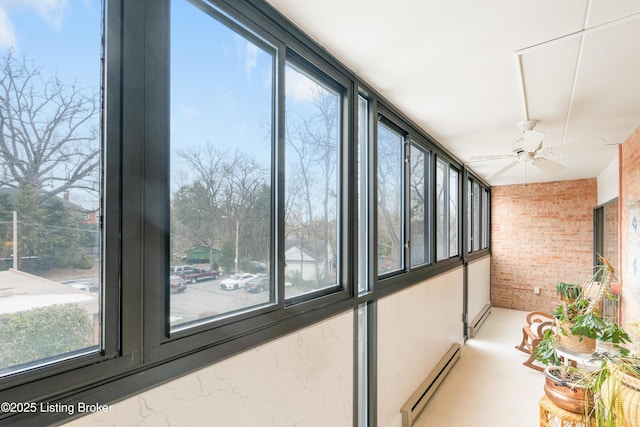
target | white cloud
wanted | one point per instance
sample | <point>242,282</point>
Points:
<point>50,11</point>
<point>299,88</point>
<point>251,58</point>
<point>7,34</point>
<point>189,113</point>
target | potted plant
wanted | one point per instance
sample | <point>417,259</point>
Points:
<point>608,394</point>
<point>579,322</point>
<point>570,388</point>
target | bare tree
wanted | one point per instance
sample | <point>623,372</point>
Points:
<point>389,182</point>
<point>48,130</point>
<point>223,188</point>
<point>312,143</point>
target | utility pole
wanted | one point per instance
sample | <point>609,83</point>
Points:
<point>235,261</point>
<point>15,240</point>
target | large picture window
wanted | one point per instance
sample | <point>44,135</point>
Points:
<point>222,96</point>
<point>447,212</point>
<point>311,186</point>
<point>390,185</point>
<point>420,213</point>
<point>477,216</point>
<point>50,183</point>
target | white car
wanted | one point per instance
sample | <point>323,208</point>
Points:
<point>236,281</point>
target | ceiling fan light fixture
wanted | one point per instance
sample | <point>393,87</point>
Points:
<point>527,125</point>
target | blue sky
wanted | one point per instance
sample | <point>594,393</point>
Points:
<point>221,86</point>
<point>64,36</point>
<point>221,81</point>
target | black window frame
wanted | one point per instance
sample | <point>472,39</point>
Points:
<point>482,217</point>
<point>386,118</point>
<point>420,144</point>
<point>161,343</point>
<point>449,166</point>
<point>392,281</point>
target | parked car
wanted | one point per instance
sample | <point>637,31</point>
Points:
<point>192,274</point>
<point>177,284</point>
<point>257,284</point>
<point>82,285</point>
<point>236,281</point>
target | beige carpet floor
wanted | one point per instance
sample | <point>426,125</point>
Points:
<point>489,386</point>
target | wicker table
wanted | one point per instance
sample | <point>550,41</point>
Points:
<point>552,416</point>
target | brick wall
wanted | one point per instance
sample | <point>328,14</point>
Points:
<point>630,199</point>
<point>541,234</point>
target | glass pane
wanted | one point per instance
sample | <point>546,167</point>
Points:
<point>311,183</point>
<point>419,192</point>
<point>50,148</point>
<point>485,218</point>
<point>390,246</point>
<point>221,145</point>
<point>363,143</point>
<point>469,215</point>
<point>476,216</point>
<point>442,233</point>
<point>453,212</point>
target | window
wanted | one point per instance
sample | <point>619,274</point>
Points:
<point>485,219</point>
<point>390,189</point>
<point>454,178</point>
<point>447,215</point>
<point>477,216</point>
<point>363,193</point>
<point>469,192</point>
<point>50,185</point>
<point>311,183</point>
<point>420,213</point>
<point>222,96</point>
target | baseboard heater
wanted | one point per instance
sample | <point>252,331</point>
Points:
<point>419,399</point>
<point>475,324</point>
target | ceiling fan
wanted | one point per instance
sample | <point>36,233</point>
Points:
<point>528,149</point>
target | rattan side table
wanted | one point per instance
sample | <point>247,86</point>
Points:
<point>552,416</point>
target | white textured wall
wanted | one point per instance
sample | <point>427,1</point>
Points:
<point>416,327</point>
<point>303,379</point>
<point>479,288</point>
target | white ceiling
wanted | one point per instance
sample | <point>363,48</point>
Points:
<point>469,71</point>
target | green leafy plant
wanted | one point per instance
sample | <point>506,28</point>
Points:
<point>579,314</point>
<point>31,335</point>
<point>546,350</point>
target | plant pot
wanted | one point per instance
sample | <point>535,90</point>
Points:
<point>576,343</point>
<point>565,390</point>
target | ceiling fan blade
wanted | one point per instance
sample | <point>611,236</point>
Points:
<point>503,170</point>
<point>532,139</point>
<point>474,159</point>
<point>577,147</point>
<point>548,165</point>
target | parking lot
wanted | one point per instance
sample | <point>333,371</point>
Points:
<point>206,299</point>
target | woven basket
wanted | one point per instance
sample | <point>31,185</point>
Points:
<point>630,399</point>
<point>625,398</point>
<point>576,343</point>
